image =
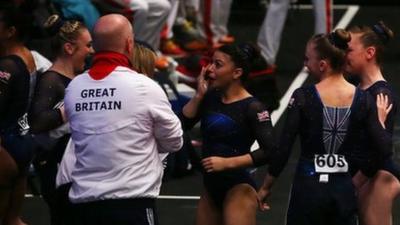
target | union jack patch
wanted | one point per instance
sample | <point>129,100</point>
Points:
<point>263,116</point>
<point>4,76</point>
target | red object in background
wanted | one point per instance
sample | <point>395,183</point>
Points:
<point>267,71</point>
<point>191,66</point>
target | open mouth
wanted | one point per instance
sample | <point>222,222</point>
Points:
<point>207,77</point>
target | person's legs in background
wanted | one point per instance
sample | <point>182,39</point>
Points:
<point>149,17</point>
<point>269,37</point>
<point>323,16</point>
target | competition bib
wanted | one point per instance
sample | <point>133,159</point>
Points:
<point>330,163</point>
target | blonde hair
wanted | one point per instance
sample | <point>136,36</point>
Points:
<point>144,60</point>
<point>63,31</point>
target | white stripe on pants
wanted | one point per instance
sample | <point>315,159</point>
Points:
<point>269,37</point>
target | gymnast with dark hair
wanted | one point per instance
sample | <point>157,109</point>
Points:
<point>18,70</point>
<point>231,120</point>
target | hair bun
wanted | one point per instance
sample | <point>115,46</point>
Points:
<point>53,24</point>
<point>383,32</point>
<point>248,50</point>
<point>339,38</point>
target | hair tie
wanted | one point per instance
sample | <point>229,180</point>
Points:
<point>381,33</point>
<point>247,51</point>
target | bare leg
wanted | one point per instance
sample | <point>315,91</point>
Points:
<point>377,198</point>
<point>240,206</point>
<point>359,180</point>
<point>207,212</point>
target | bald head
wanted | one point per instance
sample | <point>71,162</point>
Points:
<point>113,32</point>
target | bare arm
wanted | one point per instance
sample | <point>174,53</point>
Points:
<point>265,191</point>
<point>215,163</point>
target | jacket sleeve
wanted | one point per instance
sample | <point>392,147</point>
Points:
<point>167,127</point>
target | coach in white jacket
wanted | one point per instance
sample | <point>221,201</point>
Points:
<point>120,120</point>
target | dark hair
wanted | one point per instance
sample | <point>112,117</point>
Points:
<point>243,56</point>
<point>333,47</point>
<point>13,16</point>
<point>377,36</point>
<point>62,31</point>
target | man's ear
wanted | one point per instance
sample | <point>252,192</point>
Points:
<point>129,45</point>
<point>237,73</point>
